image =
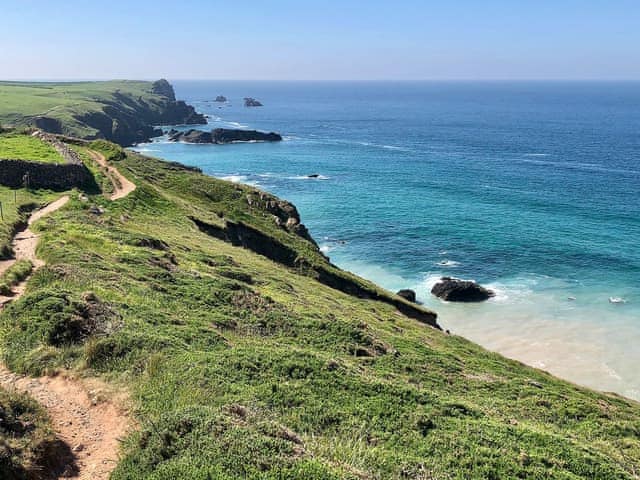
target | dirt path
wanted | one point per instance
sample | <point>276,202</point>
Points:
<point>122,186</point>
<point>82,417</point>
<point>24,246</point>
<point>80,414</point>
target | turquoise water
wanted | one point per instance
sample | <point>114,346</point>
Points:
<point>531,188</point>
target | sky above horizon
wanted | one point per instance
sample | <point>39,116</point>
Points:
<point>328,40</point>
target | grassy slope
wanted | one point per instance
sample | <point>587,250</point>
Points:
<point>16,205</point>
<point>26,436</point>
<point>243,368</point>
<point>25,147</point>
<point>21,101</point>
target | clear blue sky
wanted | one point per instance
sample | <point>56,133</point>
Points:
<point>329,39</point>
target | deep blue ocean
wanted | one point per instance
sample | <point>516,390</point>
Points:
<point>529,187</point>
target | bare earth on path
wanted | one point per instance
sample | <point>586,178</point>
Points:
<point>81,416</point>
<point>122,186</point>
<point>89,424</point>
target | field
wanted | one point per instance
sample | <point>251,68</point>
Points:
<point>21,101</point>
<point>25,147</point>
<point>242,367</point>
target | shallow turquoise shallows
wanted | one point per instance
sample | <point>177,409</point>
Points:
<point>530,188</point>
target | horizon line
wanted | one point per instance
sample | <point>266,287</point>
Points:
<point>304,80</point>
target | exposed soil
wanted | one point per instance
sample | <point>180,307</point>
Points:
<point>122,186</point>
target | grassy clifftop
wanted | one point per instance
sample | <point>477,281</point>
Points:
<point>122,111</point>
<point>249,356</point>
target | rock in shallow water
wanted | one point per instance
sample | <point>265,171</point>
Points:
<point>457,290</point>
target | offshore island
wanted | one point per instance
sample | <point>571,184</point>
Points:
<point>198,321</point>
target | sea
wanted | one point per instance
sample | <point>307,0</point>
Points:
<point>530,188</point>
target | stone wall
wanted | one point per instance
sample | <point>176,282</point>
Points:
<point>43,175</point>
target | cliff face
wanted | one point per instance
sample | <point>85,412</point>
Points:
<point>124,112</point>
<point>128,119</point>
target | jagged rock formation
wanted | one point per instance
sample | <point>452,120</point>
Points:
<point>221,99</point>
<point>252,102</point>
<point>164,88</point>
<point>285,214</point>
<point>222,136</point>
<point>457,290</point>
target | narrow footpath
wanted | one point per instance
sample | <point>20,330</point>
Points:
<point>122,186</point>
<point>83,413</point>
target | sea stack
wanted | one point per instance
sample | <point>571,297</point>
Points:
<point>252,102</point>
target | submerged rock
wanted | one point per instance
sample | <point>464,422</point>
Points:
<point>407,294</point>
<point>457,290</point>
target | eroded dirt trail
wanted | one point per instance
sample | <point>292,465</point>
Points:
<point>24,247</point>
<point>83,416</point>
<point>122,186</point>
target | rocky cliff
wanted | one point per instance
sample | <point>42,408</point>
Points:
<point>124,112</point>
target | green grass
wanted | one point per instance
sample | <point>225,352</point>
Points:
<point>69,103</point>
<point>240,367</point>
<point>15,274</point>
<point>16,207</point>
<point>26,437</point>
<point>25,147</point>
<point>99,174</point>
<point>65,101</point>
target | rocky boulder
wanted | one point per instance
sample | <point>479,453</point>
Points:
<point>407,294</point>
<point>251,102</point>
<point>457,290</point>
<point>221,99</point>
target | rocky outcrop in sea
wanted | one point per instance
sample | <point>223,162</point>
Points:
<point>252,102</point>
<point>457,290</point>
<point>222,136</point>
